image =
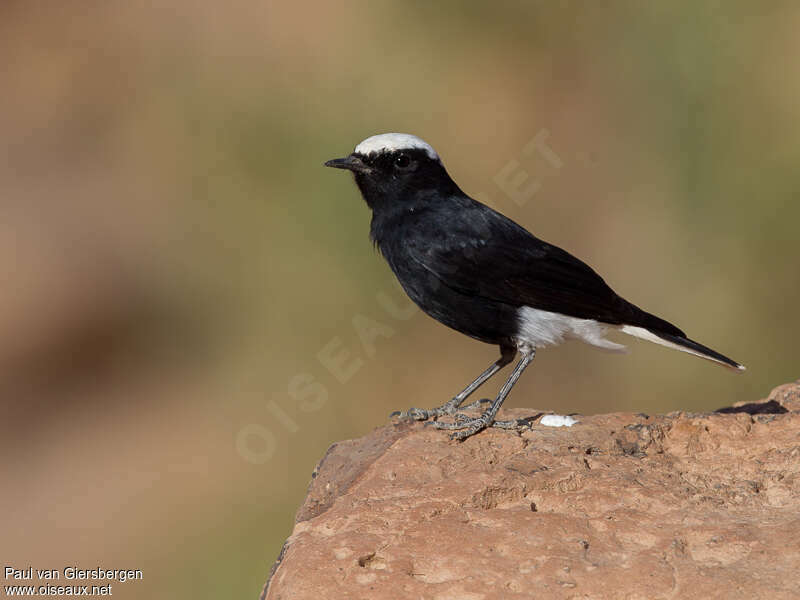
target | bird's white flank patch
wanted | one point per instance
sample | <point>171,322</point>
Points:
<point>557,421</point>
<point>543,328</point>
<point>388,142</point>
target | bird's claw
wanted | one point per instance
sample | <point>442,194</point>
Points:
<point>448,408</point>
<point>518,424</point>
<point>415,414</point>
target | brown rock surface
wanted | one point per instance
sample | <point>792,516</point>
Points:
<point>616,506</point>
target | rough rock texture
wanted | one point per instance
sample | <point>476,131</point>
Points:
<point>616,506</point>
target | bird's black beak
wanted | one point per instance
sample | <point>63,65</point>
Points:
<point>351,163</point>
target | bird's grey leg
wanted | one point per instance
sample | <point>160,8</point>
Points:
<point>451,406</point>
<point>465,426</point>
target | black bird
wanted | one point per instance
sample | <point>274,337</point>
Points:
<point>482,274</point>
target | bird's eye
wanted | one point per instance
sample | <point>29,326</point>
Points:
<point>402,161</point>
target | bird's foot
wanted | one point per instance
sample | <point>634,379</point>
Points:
<point>448,408</point>
<point>464,426</point>
<point>516,424</point>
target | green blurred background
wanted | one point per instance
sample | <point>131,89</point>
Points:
<point>175,257</point>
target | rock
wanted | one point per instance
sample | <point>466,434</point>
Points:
<point>615,506</point>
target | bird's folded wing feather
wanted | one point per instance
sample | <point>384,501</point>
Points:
<point>480,252</point>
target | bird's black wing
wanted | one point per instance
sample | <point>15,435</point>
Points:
<point>477,251</point>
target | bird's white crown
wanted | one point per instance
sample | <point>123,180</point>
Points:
<point>389,142</point>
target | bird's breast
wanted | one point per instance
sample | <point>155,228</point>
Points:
<point>476,316</point>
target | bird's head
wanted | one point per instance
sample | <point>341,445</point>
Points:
<point>395,168</point>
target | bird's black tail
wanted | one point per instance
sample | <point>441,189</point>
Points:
<point>679,341</point>
<point>692,347</point>
<point>649,327</point>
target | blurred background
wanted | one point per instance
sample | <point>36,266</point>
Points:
<point>184,283</point>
